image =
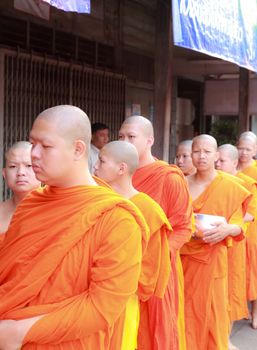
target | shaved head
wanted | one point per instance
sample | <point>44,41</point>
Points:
<point>18,145</point>
<point>186,143</point>
<point>230,150</point>
<point>248,136</point>
<point>143,123</point>
<point>123,152</point>
<point>207,138</point>
<point>71,122</point>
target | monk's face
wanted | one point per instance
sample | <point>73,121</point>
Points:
<point>18,173</point>
<point>52,153</point>
<point>246,150</point>
<point>100,138</point>
<point>184,159</point>
<point>106,167</point>
<point>134,133</point>
<point>226,163</point>
<point>204,154</point>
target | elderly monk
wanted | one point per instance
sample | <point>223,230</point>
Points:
<point>71,258</point>
<point>246,145</point>
<point>166,185</point>
<point>117,163</point>
<point>184,158</point>
<point>20,179</point>
<point>204,258</point>
<point>227,162</point>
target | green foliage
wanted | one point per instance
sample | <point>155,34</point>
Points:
<point>225,131</point>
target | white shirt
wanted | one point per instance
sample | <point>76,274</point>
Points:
<point>93,158</point>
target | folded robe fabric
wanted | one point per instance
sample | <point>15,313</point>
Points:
<point>251,241</point>
<point>154,274</point>
<point>74,256</point>
<point>205,268</point>
<point>166,185</point>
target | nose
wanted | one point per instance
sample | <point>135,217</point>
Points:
<point>96,165</point>
<point>217,164</point>
<point>179,159</point>
<point>35,152</point>
<point>21,171</point>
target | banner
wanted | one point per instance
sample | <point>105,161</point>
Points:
<point>81,6</point>
<point>226,29</point>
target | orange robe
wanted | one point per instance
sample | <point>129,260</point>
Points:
<point>238,308</point>
<point>73,255</point>
<point>155,269</point>
<point>166,185</point>
<point>205,269</point>
<point>251,244</point>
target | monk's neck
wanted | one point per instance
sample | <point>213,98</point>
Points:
<point>244,165</point>
<point>146,159</point>
<point>17,198</point>
<point>205,176</point>
<point>124,188</point>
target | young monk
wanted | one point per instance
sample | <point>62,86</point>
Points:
<point>72,254</point>
<point>166,185</point>
<point>184,158</point>
<point>117,163</point>
<point>19,177</point>
<point>204,258</point>
<point>227,162</point>
<point>246,145</point>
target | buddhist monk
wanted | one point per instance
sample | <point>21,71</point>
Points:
<point>183,157</point>
<point>20,179</point>
<point>167,186</point>
<point>204,258</point>
<point>228,162</point>
<point>246,145</point>
<point>117,163</point>
<point>72,254</point>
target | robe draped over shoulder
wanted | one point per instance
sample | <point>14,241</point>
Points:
<point>73,255</point>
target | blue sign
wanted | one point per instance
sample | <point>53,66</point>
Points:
<point>81,6</point>
<point>226,29</point>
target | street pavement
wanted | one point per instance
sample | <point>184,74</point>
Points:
<point>243,336</point>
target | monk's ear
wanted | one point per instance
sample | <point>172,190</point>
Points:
<point>4,173</point>
<point>217,156</point>
<point>79,149</point>
<point>123,168</point>
<point>150,141</point>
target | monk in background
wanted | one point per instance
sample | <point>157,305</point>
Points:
<point>20,179</point>
<point>72,254</point>
<point>204,258</point>
<point>247,145</point>
<point>117,163</point>
<point>184,158</point>
<point>238,309</point>
<point>166,185</point>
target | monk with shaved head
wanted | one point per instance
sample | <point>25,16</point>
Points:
<point>204,258</point>
<point>247,145</point>
<point>117,163</point>
<point>71,257</point>
<point>20,179</point>
<point>183,157</point>
<point>228,162</point>
<point>167,186</point>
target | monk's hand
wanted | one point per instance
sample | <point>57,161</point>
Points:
<point>13,332</point>
<point>219,232</point>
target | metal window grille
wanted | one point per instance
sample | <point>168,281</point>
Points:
<point>30,83</point>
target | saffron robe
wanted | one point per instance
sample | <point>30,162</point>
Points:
<point>251,243</point>
<point>167,186</point>
<point>154,274</point>
<point>73,255</point>
<point>205,268</point>
<point>238,308</point>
